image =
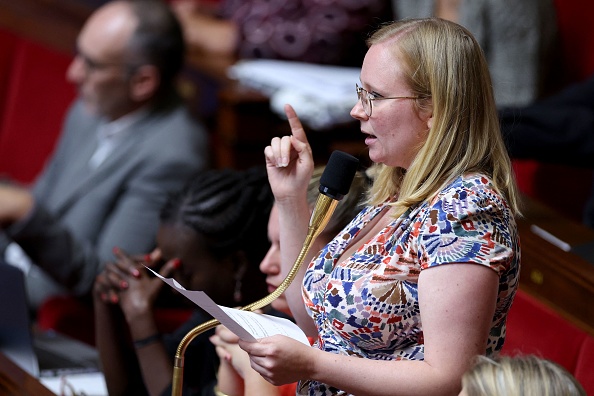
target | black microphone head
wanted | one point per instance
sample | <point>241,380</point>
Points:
<point>338,175</point>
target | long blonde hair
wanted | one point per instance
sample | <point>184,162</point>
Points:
<point>446,68</point>
<point>522,375</point>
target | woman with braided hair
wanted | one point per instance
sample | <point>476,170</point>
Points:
<point>212,237</point>
<point>235,376</point>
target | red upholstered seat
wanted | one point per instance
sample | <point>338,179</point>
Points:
<point>36,97</point>
<point>69,316</point>
<point>584,372</point>
<point>555,185</point>
<point>574,20</point>
<point>8,43</point>
<point>535,329</point>
<point>74,318</point>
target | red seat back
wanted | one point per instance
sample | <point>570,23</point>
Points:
<point>584,371</point>
<point>75,318</point>
<point>8,44</point>
<point>535,329</point>
<point>35,101</point>
<point>574,20</point>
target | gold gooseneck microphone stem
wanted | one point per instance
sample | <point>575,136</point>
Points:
<point>319,219</point>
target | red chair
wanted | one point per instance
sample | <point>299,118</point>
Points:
<point>70,316</point>
<point>535,329</point>
<point>8,43</point>
<point>36,98</point>
<point>74,318</point>
<point>555,185</point>
<point>574,20</point>
<point>584,371</point>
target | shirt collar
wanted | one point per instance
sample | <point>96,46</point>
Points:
<point>112,129</point>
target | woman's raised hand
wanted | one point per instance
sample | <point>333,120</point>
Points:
<point>289,161</point>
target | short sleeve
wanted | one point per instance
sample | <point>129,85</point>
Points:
<point>469,222</point>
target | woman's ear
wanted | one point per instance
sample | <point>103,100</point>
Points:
<point>144,83</point>
<point>430,121</point>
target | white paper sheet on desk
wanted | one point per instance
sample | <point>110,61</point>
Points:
<point>92,384</point>
<point>248,326</point>
<point>322,95</point>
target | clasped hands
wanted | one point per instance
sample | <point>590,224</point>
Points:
<point>127,282</point>
<point>278,359</point>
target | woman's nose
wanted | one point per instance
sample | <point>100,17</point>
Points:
<point>270,263</point>
<point>357,111</point>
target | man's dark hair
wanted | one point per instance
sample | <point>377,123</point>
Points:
<point>158,39</point>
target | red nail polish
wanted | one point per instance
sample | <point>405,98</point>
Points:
<point>124,285</point>
<point>136,273</point>
<point>116,250</point>
<point>177,263</point>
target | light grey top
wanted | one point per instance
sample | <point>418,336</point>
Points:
<point>517,36</point>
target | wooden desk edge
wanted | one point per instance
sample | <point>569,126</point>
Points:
<point>14,378</point>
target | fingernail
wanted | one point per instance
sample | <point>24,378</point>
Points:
<point>124,285</point>
<point>114,299</point>
<point>116,249</point>
<point>284,161</point>
<point>135,273</point>
<point>176,263</point>
<point>147,258</point>
<point>103,297</point>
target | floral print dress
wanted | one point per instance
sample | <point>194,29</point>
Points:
<point>368,305</point>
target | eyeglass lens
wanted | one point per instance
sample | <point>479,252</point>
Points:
<point>364,99</point>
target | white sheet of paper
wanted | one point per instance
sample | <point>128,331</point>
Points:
<point>80,384</point>
<point>248,326</point>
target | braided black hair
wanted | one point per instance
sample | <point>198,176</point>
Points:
<point>230,208</point>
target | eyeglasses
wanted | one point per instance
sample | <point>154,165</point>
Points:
<point>366,98</point>
<point>92,65</point>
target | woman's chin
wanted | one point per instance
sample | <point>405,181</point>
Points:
<point>375,158</point>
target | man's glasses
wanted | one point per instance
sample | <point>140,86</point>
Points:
<point>366,98</point>
<point>92,65</point>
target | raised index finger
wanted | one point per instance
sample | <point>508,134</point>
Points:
<point>296,127</point>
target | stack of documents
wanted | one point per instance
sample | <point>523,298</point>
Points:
<point>321,95</point>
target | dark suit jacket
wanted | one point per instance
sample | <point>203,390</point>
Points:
<point>81,214</point>
<point>559,130</point>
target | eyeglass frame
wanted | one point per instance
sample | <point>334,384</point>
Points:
<point>369,98</point>
<point>92,65</point>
